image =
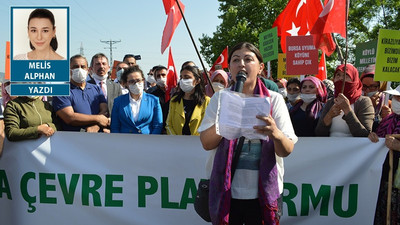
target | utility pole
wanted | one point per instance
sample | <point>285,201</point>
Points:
<point>81,49</point>
<point>110,42</point>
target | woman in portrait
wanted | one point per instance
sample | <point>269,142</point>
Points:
<point>42,37</point>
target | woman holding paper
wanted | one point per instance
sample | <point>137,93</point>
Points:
<point>243,199</point>
<point>348,114</point>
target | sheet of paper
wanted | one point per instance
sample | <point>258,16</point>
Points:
<point>237,115</point>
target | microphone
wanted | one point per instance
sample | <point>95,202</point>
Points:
<point>240,79</point>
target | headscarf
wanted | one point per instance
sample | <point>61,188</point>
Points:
<point>313,109</point>
<point>283,81</point>
<point>353,89</point>
<point>4,94</point>
<point>389,125</point>
<point>220,180</point>
<point>209,91</point>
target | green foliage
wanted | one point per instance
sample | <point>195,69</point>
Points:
<point>244,20</point>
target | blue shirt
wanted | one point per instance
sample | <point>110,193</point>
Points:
<point>86,101</point>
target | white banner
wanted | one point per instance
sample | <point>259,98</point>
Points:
<point>83,178</point>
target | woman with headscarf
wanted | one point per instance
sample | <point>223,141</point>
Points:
<point>306,112</point>
<point>219,80</point>
<point>389,125</point>
<point>349,113</point>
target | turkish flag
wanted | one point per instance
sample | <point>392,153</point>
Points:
<point>167,5</point>
<point>222,60</point>
<point>297,19</point>
<point>174,17</point>
<point>172,76</point>
<point>325,43</point>
<point>332,19</point>
<point>322,68</point>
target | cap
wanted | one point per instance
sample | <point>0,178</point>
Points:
<point>394,92</point>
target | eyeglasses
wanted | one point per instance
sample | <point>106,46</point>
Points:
<point>293,89</point>
<point>370,87</point>
<point>134,81</point>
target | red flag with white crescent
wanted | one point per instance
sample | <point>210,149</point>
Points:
<point>222,60</point>
<point>332,19</point>
<point>172,76</point>
<point>297,19</point>
<point>174,17</point>
<point>322,68</point>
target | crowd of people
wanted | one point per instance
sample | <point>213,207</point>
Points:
<point>348,105</point>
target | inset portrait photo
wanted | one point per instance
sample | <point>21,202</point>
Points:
<point>39,33</point>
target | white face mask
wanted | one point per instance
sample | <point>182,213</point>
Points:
<point>150,79</point>
<point>217,86</point>
<point>395,106</point>
<point>136,89</point>
<point>283,92</point>
<point>308,98</point>
<point>79,75</point>
<point>293,97</point>
<point>162,81</point>
<point>186,85</point>
<point>100,78</point>
<point>372,93</point>
<point>8,89</point>
<point>119,74</point>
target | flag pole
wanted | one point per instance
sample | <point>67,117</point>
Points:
<point>195,47</point>
<point>338,49</point>
<point>347,48</point>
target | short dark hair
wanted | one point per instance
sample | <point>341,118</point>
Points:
<point>76,57</point>
<point>129,70</point>
<point>158,68</point>
<point>128,56</point>
<point>293,81</point>
<point>46,14</point>
<point>98,55</point>
<point>248,46</point>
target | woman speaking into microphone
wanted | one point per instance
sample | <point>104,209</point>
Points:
<point>253,196</point>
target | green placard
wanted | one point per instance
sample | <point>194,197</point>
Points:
<point>365,55</point>
<point>269,44</point>
<point>387,57</point>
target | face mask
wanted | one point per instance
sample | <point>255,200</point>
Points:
<point>217,86</point>
<point>372,93</point>
<point>186,85</point>
<point>8,89</point>
<point>79,75</point>
<point>293,97</point>
<point>396,106</point>
<point>162,81</point>
<point>283,92</point>
<point>137,88</point>
<point>119,74</point>
<point>308,98</point>
<point>100,78</point>
<point>150,79</point>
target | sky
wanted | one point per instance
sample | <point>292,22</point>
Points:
<point>137,24</point>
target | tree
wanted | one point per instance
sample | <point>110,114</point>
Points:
<point>244,20</point>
